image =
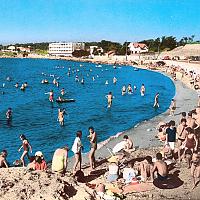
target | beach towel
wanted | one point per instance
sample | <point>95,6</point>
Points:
<point>143,187</point>
<point>119,146</point>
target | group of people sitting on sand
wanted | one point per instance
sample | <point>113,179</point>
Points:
<point>181,140</point>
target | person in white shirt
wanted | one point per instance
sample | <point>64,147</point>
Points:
<point>77,148</point>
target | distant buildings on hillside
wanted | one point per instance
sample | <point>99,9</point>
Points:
<point>136,48</point>
<point>65,48</point>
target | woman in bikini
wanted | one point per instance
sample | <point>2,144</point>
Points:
<point>26,146</point>
<point>93,142</point>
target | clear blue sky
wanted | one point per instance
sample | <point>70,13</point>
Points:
<point>94,20</point>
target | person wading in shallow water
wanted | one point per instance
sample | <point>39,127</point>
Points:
<point>93,143</point>
<point>109,98</point>
<point>156,104</point>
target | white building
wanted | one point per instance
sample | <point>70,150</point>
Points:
<point>136,48</point>
<point>11,48</point>
<point>65,48</point>
<point>99,49</point>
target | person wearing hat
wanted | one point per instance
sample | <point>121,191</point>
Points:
<point>59,161</point>
<point>38,163</point>
<point>113,169</point>
<point>3,162</point>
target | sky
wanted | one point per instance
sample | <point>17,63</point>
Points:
<point>94,20</point>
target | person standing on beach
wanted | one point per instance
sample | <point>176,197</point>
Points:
<point>156,104</point>
<point>142,90</point>
<point>171,134</point>
<point>26,146</point>
<point>109,98</point>
<point>77,149</point>
<point>172,107</point>
<point>93,143</point>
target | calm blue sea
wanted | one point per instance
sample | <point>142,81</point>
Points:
<point>36,117</point>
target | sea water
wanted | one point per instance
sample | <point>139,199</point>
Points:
<point>36,118</point>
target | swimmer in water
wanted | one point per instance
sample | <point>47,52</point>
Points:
<point>25,84</point>
<point>16,85</point>
<point>61,116</point>
<point>93,78</point>
<point>124,90</point>
<point>109,98</point>
<point>76,78</point>
<point>106,83</point>
<point>9,114</point>
<point>22,87</point>
<point>51,96</point>
<point>62,92</point>
<point>68,73</point>
<point>54,81</point>
<point>142,90</point>
<point>129,89</point>
<point>82,81</point>
<point>156,104</point>
<point>114,80</point>
<point>57,84</point>
<point>135,87</point>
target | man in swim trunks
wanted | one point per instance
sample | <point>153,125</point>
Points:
<point>181,132</point>
<point>59,161</point>
<point>161,167</point>
<point>110,98</point>
<point>129,144</point>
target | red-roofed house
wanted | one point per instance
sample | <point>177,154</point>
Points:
<point>138,48</point>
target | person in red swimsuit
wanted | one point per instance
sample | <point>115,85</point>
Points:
<point>191,141</point>
<point>26,146</point>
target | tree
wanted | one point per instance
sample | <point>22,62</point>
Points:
<point>80,53</point>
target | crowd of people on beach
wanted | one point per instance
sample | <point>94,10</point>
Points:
<point>180,142</point>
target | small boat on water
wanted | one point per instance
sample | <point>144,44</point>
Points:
<point>65,100</point>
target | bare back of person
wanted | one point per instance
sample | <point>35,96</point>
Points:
<point>161,167</point>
